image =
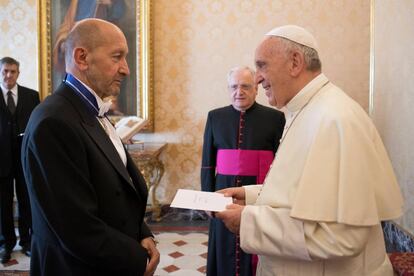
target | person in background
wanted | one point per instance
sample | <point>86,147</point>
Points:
<point>16,104</point>
<point>88,197</point>
<point>239,144</point>
<point>331,184</point>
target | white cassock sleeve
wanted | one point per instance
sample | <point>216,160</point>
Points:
<point>272,232</point>
<point>251,193</point>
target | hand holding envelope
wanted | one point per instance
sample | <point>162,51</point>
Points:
<point>231,217</point>
<point>237,193</point>
<point>207,201</point>
<point>221,202</point>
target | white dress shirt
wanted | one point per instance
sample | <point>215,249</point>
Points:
<point>109,128</point>
<point>14,93</point>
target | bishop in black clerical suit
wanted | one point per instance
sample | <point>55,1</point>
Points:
<point>239,145</point>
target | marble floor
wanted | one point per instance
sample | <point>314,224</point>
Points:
<point>182,253</point>
<point>19,264</point>
<point>182,236</point>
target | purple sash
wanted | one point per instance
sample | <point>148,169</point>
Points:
<point>244,162</point>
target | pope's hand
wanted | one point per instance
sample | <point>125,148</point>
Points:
<point>231,217</point>
<point>238,194</point>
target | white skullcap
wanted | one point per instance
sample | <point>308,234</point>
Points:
<point>296,34</point>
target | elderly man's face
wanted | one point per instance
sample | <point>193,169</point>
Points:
<point>9,75</point>
<point>243,89</point>
<point>272,72</point>
<point>107,65</point>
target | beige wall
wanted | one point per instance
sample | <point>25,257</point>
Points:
<point>197,41</point>
<point>18,37</point>
<point>393,100</point>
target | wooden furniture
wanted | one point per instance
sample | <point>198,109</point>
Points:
<point>146,157</point>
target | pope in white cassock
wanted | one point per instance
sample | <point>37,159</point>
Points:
<point>331,182</point>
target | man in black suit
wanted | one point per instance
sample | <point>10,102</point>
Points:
<point>16,105</point>
<point>88,198</point>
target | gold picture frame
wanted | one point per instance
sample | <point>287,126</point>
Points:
<point>139,103</point>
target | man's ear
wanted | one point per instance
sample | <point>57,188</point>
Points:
<point>80,58</point>
<point>297,63</point>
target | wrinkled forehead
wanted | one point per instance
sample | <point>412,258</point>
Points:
<point>96,33</point>
<point>117,39</point>
<point>267,46</point>
<point>112,31</point>
<point>270,50</point>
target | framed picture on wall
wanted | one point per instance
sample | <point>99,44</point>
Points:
<point>57,17</point>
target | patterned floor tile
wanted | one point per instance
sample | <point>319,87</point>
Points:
<point>171,268</point>
<point>193,249</point>
<point>182,254</point>
<point>202,269</point>
<point>180,243</point>
<point>176,255</point>
<point>190,262</point>
<point>187,272</point>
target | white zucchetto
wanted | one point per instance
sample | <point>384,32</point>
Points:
<point>296,34</point>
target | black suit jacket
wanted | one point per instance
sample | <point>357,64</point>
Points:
<point>87,207</point>
<point>27,99</point>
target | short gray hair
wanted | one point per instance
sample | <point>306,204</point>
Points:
<point>313,63</point>
<point>9,60</point>
<point>239,68</point>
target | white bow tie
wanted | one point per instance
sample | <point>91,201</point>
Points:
<point>104,108</point>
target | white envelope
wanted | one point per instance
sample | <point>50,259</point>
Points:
<point>197,200</point>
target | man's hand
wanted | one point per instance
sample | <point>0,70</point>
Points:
<point>238,194</point>
<point>154,255</point>
<point>231,217</point>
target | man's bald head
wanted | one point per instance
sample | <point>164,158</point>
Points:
<point>89,33</point>
<point>96,53</point>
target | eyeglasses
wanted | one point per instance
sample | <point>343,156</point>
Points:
<point>243,87</point>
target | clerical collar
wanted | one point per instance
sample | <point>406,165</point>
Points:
<point>247,110</point>
<point>295,106</point>
<point>307,92</point>
<point>93,102</point>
